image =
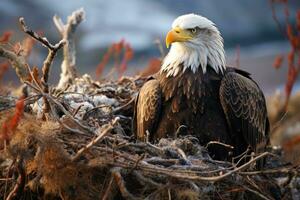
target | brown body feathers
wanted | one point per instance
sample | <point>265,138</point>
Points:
<point>229,108</point>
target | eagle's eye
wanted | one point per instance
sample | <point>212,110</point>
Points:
<point>193,30</point>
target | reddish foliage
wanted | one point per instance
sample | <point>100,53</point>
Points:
<point>10,125</point>
<point>118,47</point>
<point>122,53</point>
<point>6,37</point>
<point>35,73</point>
<point>17,48</point>
<point>291,78</point>
<point>17,115</point>
<point>288,145</point>
<point>298,20</point>
<point>128,55</point>
<point>278,61</point>
<point>3,68</point>
<point>24,47</point>
<point>279,1</point>
<point>292,33</point>
<point>104,61</point>
<point>27,45</point>
<point>152,67</point>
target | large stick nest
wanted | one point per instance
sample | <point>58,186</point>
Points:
<point>89,153</point>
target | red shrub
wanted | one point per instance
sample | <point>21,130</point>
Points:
<point>292,33</point>
<point>128,55</point>
<point>278,61</point>
<point>104,61</point>
<point>298,20</point>
<point>288,145</point>
<point>6,37</point>
<point>122,53</point>
<point>10,125</point>
<point>152,67</point>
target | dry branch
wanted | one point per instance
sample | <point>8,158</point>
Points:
<point>18,62</point>
<point>116,172</point>
<point>52,50</point>
<point>20,184</point>
<point>97,139</point>
<point>67,31</point>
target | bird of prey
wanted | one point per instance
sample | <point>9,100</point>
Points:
<point>196,90</point>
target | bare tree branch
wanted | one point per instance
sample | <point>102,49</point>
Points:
<point>47,63</point>
<point>17,62</point>
<point>67,31</point>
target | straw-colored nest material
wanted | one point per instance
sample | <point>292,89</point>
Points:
<point>85,150</point>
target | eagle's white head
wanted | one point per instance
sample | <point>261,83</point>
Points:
<point>196,42</point>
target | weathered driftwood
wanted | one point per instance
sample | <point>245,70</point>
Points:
<point>67,31</point>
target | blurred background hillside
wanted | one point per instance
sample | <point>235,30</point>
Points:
<point>247,26</point>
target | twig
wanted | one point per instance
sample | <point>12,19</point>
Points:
<point>144,180</point>
<point>73,130</point>
<point>77,110</point>
<point>52,50</point>
<point>17,62</point>
<point>137,162</point>
<point>118,109</point>
<point>97,139</point>
<point>19,186</point>
<point>60,92</point>
<point>159,170</point>
<point>270,171</point>
<point>179,129</point>
<point>256,193</point>
<point>274,16</point>
<point>182,175</point>
<point>219,143</point>
<point>40,39</point>
<point>279,122</point>
<point>95,108</point>
<point>9,172</point>
<point>6,179</point>
<point>241,157</point>
<point>39,90</point>
<point>108,189</point>
<point>120,182</point>
<point>160,48</point>
<point>27,101</point>
<point>67,113</point>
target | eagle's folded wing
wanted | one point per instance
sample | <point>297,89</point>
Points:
<point>245,109</point>
<point>147,109</point>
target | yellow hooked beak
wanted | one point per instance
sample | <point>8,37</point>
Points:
<point>177,35</point>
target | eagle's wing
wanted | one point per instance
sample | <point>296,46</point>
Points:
<point>245,108</point>
<point>147,109</point>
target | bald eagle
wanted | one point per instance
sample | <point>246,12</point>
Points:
<point>196,90</point>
